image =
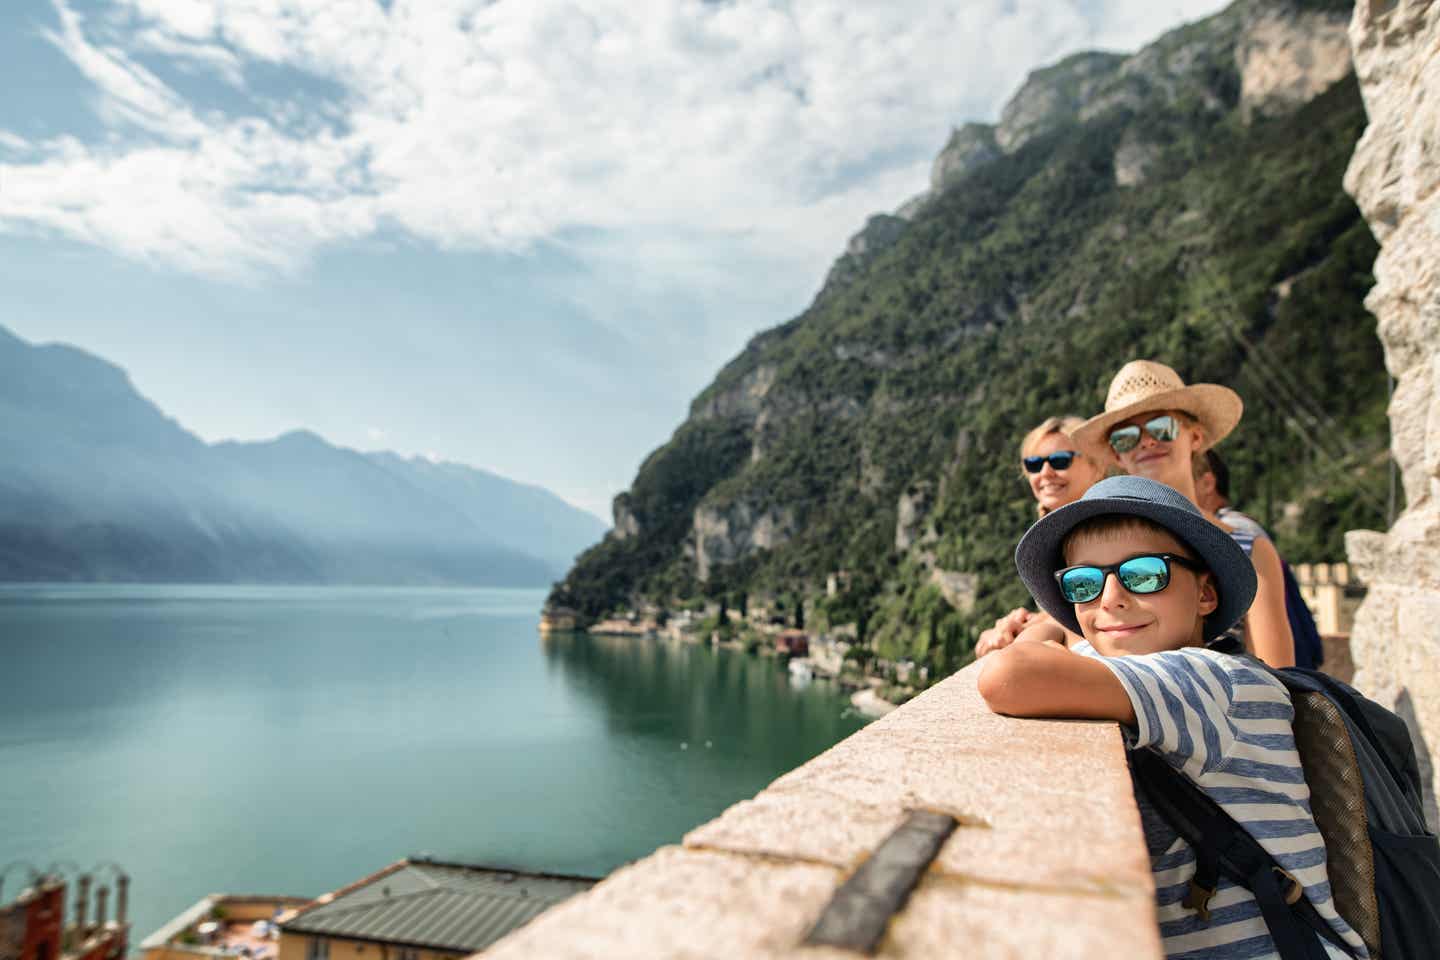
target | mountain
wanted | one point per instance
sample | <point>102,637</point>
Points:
<point>98,484</point>
<point>1181,203</point>
<point>514,515</point>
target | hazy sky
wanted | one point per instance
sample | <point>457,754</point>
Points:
<point>520,234</point>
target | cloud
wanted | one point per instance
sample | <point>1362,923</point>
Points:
<point>472,124</point>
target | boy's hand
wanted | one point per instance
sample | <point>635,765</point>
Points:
<point>1042,628</point>
<point>1006,629</point>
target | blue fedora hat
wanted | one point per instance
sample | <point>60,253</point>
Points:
<point>1038,555</point>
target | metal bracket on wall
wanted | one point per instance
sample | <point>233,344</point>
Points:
<point>860,910</point>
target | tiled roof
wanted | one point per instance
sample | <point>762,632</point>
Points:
<point>436,905</point>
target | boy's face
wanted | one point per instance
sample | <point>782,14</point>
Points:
<point>1119,622</point>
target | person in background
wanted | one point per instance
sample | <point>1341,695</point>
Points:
<point>1212,492</point>
<point>1058,474</point>
<point>1154,425</point>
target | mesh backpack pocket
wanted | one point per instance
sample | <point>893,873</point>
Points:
<point>1383,861</point>
<point>1337,801</point>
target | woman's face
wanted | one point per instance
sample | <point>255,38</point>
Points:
<point>1054,488</point>
<point>1168,461</point>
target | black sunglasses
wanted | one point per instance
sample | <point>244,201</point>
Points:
<point>1146,573</point>
<point>1060,460</point>
<point>1164,428</point>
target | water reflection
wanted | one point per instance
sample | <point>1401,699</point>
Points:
<point>692,693</point>
<point>293,739</point>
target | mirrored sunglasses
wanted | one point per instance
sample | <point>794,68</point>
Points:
<point>1147,573</point>
<point>1164,428</point>
<point>1059,460</point>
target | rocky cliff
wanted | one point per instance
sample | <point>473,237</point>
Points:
<point>1395,177</point>
<point>1123,206</point>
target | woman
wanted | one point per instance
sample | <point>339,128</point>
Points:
<point>1058,474</point>
<point>1154,426</point>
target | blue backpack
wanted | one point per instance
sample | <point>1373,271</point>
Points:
<point>1365,794</point>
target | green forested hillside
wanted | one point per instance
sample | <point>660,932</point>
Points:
<point>1233,254</point>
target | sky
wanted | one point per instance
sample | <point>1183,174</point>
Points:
<point>517,234</point>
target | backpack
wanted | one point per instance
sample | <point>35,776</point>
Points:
<point>1365,794</point>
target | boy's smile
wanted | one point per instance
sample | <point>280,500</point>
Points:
<point>1119,622</point>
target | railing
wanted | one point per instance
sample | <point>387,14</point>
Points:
<point>1331,593</point>
<point>1048,859</point>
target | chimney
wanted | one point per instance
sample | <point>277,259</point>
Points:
<point>101,895</point>
<point>122,897</point>
<point>82,898</point>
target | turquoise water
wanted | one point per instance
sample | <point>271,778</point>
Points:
<point>290,740</point>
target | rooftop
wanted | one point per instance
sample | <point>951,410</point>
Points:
<point>440,906</point>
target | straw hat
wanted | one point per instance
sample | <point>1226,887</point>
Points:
<point>1143,385</point>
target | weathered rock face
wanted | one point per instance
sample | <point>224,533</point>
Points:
<point>967,148</point>
<point>911,513</point>
<point>626,523</point>
<point>961,590</point>
<point>1133,159</point>
<point>744,399</point>
<point>723,535</point>
<point>1053,96</point>
<point>1287,57</point>
<point>1394,177</point>
<point>880,231</point>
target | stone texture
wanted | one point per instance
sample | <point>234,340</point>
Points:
<point>1015,880</point>
<point>626,524</point>
<point>1287,57</point>
<point>1016,787</point>
<point>745,399</point>
<point>968,147</point>
<point>682,903</point>
<point>911,511</point>
<point>961,590</point>
<point>1133,159</point>
<point>724,534</point>
<point>1394,176</point>
<point>880,232</point>
<point>1053,97</point>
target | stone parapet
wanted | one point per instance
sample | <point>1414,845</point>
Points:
<point>1395,179</point>
<point>1048,860</point>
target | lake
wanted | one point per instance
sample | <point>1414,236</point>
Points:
<point>291,739</point>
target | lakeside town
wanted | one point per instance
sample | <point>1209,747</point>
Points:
<point>767,627</point>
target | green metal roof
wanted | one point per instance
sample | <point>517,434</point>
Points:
<point>436,905</point>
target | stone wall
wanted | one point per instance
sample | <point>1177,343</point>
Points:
<point>1395,178</point>
<point>1015,879</point>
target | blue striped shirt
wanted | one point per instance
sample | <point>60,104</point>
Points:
<point>1225,723</point>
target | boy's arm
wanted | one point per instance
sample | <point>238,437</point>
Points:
<point>1028,679</point>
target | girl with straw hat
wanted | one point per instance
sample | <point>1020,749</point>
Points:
<point>1153,426</point>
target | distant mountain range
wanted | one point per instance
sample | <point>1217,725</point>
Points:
<point>97,483</point>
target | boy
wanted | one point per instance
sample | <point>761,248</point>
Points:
<point>1148,581</point>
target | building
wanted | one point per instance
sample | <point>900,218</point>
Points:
<point>224,925</point>
<point>415,909</point>
<point>794,643</point>
<point>33,927</point>
<point>420,909</point>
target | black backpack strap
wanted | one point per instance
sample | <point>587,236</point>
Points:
<point>1224,848</point>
